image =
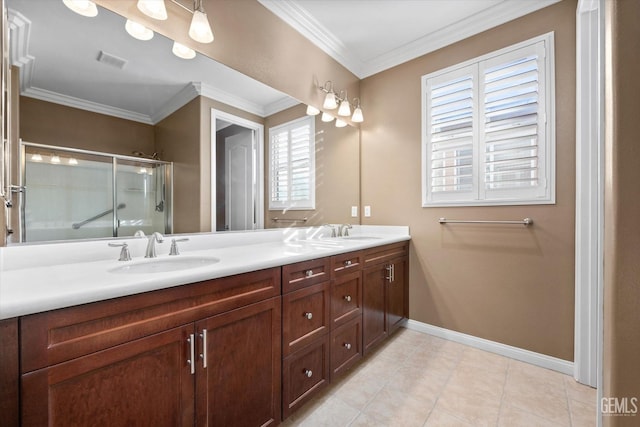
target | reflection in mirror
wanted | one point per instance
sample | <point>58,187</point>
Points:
<point>86,84</point>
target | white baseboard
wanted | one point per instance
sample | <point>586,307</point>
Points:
<point>542,360</point>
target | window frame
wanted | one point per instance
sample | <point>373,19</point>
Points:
<point>296,205</point>
<point>480,196</point>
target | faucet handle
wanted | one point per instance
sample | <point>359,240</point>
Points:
<point>124,253</point>
<point>174,245</point>
<point>333,229</point>
<point>344,229</point>
<point>139,233</point>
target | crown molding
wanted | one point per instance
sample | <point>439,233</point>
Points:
<point>20,28</point>
<point>83,104</point>
<point>280,105</point>
<point>179,100</point>
<point>303,22</point>
<point>300,19</point>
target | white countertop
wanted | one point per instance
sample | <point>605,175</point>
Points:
<point>37,278</point>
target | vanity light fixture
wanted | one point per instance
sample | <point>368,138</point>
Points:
<point>82,7</point>
<point>153,8</point>
<point>138,31</point>
<point>327,117</point>
<point>340,123</point>
<point>332,101</point>
<point>200,30</point>
<point>36,157</point>
<point>312,111</point>
<point>72,161</point>
<point>345,108</point>
<point>182,51</point>
<point>357,113</point>
<point>55,159</point>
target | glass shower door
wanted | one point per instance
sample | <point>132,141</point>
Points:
<point>142,194</point>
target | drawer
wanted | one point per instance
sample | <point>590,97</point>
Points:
<point>305,316</point>
<point>346,263</point>
<point>346,298</point>
<point>346,347</point>
<point>304,374</point>
<point>306,273</point>
<point>382,254</point>
<point>59,335</point>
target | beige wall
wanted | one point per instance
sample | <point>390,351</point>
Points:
<point>512,285</point>
<point>44,122</point>
<point>337,173</point>
<point>622,208</point>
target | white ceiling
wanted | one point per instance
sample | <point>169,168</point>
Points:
<point>369,36</point>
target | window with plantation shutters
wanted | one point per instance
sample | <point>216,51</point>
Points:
<point>292,165</point>
<point>488,131</point>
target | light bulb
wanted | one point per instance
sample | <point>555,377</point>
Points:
<point>36,157</point>
<point>82,7</point>
<point>357,115</point>
<point>153,8</point>
<point>312,111</point>
<point>345,108</point>
<point>326,117</point>
<point>181,51</point>
<point>200,30</point>
<point>55,159</point>
<point>138,31</point>
<point>340,123</point>
<point>330,101</point>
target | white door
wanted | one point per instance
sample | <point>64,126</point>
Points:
<point>239,185</point>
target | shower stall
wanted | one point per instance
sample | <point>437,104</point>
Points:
<point>71,194</point>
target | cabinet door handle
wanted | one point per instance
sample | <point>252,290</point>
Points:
<point>192,353</point>
<point>347,298</point>
<point>347,346</point>
<point>389,277</point>
<point>203,355</point>
<point>308,373</point>
<point>308,315</point>
<point>393,272</point>
<point>308,273</point>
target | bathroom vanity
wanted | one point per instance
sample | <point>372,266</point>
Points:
<point>243,349</point>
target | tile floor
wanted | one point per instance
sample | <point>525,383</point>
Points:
<point>416,379</point>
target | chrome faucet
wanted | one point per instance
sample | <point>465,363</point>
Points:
<point>333,229</point>
<point>343,230</point>
<point>151,246</point>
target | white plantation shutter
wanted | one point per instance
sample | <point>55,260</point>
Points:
<point>292,165</point>
<point>486,139</point>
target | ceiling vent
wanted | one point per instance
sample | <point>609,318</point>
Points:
<point>111,60</point>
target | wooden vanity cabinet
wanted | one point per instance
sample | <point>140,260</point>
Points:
<point>385,292</point>
<point>140,360</point>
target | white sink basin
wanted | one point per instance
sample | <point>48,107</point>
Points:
<point>360,237</point>
<point>164,265</point>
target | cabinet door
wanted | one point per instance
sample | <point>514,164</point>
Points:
<point>144,382</point>
<point>240,385</point>
<point>346,298</point>
<point>305,315</point>
<point>374,322</point>
<point>397,295</point>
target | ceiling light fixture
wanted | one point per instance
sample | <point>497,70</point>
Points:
<point>200,30</point>
<point>82,7</point>
<point>331,101</point>
<point>72,161</point>
<point>340,123</point>
<point>138,31</point>
<point>182,51</point>
<point>153,8</point>
<point>55,159</point>
<point>36,157</point>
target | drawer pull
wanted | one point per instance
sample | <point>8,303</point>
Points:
<point>308,315</point>
<point>347,346</point>
<point>347,263</point>
<point>308,373</point>
<point>347,298</point>
<point>308,273</point>
<point>203,355</point>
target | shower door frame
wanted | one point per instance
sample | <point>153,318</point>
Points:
<point>168,179</point>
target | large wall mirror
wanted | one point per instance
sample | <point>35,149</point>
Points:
<point>88,87</point>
